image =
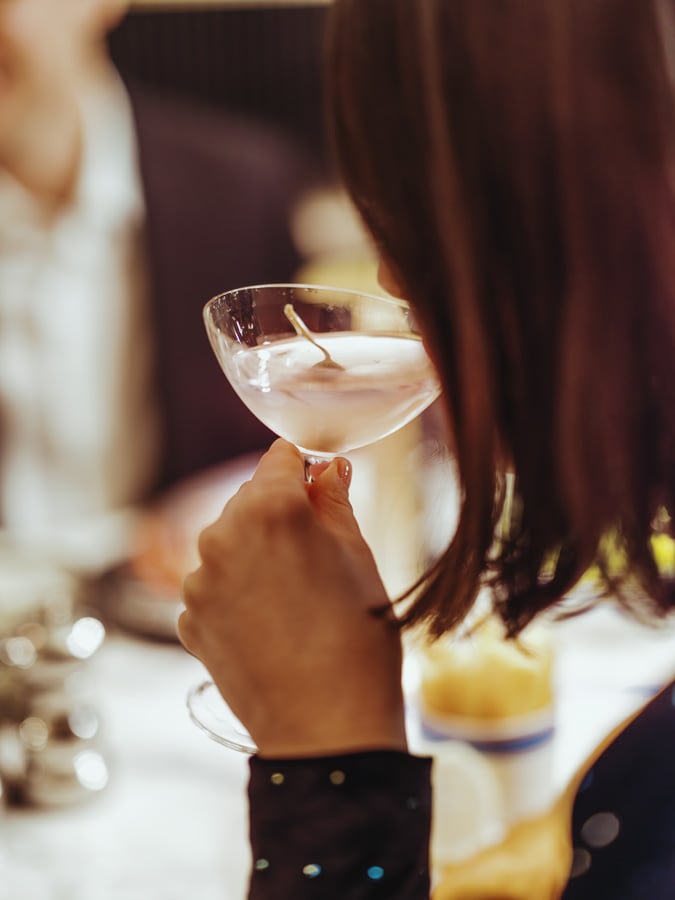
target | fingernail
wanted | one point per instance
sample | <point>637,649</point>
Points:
<point>344,471</point>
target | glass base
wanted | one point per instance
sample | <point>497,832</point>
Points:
<point>213,716</point>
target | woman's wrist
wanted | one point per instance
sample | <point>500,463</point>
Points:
<point>323,736</point>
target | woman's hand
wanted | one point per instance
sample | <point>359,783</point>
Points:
<point>281,614</point>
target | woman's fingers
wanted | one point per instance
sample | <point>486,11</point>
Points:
<point>279,612</point>
<point>282,462</point>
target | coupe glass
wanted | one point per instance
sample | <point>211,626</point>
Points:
<point>330,370</point>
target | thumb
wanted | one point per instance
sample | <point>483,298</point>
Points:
<point>329,492</point>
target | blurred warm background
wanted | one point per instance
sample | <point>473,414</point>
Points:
<point>151,157</point>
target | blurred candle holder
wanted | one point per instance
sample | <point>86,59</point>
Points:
<point>47,717</point>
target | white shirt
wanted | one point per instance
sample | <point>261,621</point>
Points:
<point>78,428</point>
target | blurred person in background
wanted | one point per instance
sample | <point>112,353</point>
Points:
<point>120,215</point>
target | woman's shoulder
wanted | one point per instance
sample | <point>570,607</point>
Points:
<point>624,812</point>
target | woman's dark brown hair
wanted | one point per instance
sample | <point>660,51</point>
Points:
<point>514,162</point>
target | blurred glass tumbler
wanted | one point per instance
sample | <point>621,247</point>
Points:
<point>495,696</point>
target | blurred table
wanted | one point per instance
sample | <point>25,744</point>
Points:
<point>172,821</point>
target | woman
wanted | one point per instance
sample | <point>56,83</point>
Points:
<point>513,163</point>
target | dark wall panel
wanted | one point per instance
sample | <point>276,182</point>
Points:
<point>261,62</point>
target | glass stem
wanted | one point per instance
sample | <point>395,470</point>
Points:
<point>310,462</point>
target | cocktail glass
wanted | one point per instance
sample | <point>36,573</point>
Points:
<point>327,368</point>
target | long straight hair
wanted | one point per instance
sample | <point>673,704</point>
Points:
<point>513,161</point>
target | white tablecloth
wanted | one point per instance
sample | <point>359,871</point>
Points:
<point>171,823</point>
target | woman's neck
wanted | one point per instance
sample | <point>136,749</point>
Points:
<point>45,152</point>
<point>43,149</point>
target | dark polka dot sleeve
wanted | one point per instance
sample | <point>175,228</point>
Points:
<point>623,823</point>
<point>353,826</point>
